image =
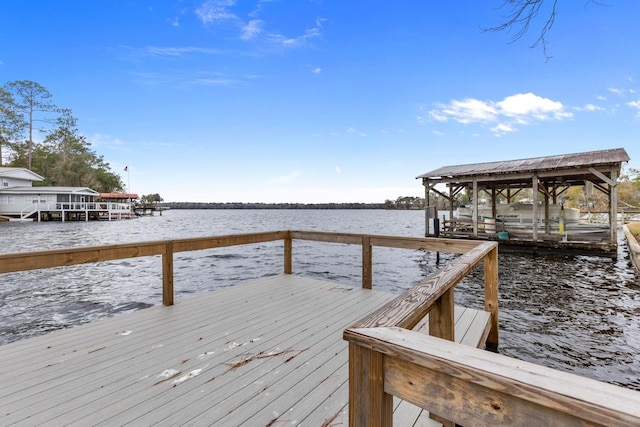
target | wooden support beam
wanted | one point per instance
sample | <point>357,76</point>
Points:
<point>441,317</point>
<point>475,209</point>
<point>491,294</point>
<point>613,208</point>
<point>367,260</point>
<point>167,274</point>
<point>288,254</point>
<point>534,197</point>
<point>603,190</point>
<point>369,405</point>
<point>494,209</point>
<point>427,228</point>
<point>611,182</point>
<point>547,225</point>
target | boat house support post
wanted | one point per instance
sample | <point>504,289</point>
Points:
<point>534,203</point>
<point>475,208</point>
<point>425,183</point>
<point>546,209</point>
<point>494,209</point>
<point>451,197</point>
<point>612,182</point>
<point>613,207</point>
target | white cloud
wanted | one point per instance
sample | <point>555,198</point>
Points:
<point>175,22</point>
<point>107,142</point>
<point>316,70</point>
<point>470,110</point>
<point>295,41</point>
<point>438,133</point>
<point>524,105</point>
<point>355,131</point>
<point>502,129</point>
<point>218,12</point>
<point>521,109</point>
<point>251,29</point>
<point>178,51</point>
<point>589,107</point>
<point>635,104</point>
<point>213,82</point>
<point>338,170</point>
<point>286,178</point>
<point>215,11</point>
<point>616,91</point>
<point>601,98</point>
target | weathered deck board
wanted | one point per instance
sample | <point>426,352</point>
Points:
<point>267,351</point>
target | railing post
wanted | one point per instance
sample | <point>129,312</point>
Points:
<point>441,317</point>
<point>442,325</point>
<point>367,259</point>
<point>167,274</point>
<point>491,294</point>
<point>369,405</point>
<point>288,254</point>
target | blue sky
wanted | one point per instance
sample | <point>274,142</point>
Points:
<point>324,101</point>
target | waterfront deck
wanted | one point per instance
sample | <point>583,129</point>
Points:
<point>268,352</point>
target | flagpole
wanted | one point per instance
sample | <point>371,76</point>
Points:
<point>126,168</point>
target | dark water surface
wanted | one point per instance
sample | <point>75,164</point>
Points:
<point>578,314</point>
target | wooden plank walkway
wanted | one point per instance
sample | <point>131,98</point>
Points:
<point>268,352</point>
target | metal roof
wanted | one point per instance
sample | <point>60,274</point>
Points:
<point>49,190</point>
<point>20,173</point>
<point>118,196</point>
<point>536,164</point>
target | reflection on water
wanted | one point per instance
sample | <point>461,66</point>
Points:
<point>579,314</point>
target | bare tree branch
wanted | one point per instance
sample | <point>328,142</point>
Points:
<point>521,16</point>
<point>523,13</point>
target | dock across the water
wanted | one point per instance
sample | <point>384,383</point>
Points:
<point>270,352</point>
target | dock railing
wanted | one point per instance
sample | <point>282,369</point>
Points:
<point>472,387</point>
<point>455,382</point>
<point>167,248</point>
<point>459,384</point>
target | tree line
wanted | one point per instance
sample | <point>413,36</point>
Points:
<point>241,205</point>
<point>63,156</point>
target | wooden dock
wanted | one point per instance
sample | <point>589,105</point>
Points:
<point>271,352</point>
<point>268,352</point>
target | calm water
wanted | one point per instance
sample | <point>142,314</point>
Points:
<point>579,314</point>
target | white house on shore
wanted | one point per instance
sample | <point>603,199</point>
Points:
<point>20,200</point>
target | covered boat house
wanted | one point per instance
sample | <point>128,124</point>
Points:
<point>542,224</point>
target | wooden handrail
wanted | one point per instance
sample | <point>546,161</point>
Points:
<point>411,306</point>
<point>473,387</point>
<point>429,295</point>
